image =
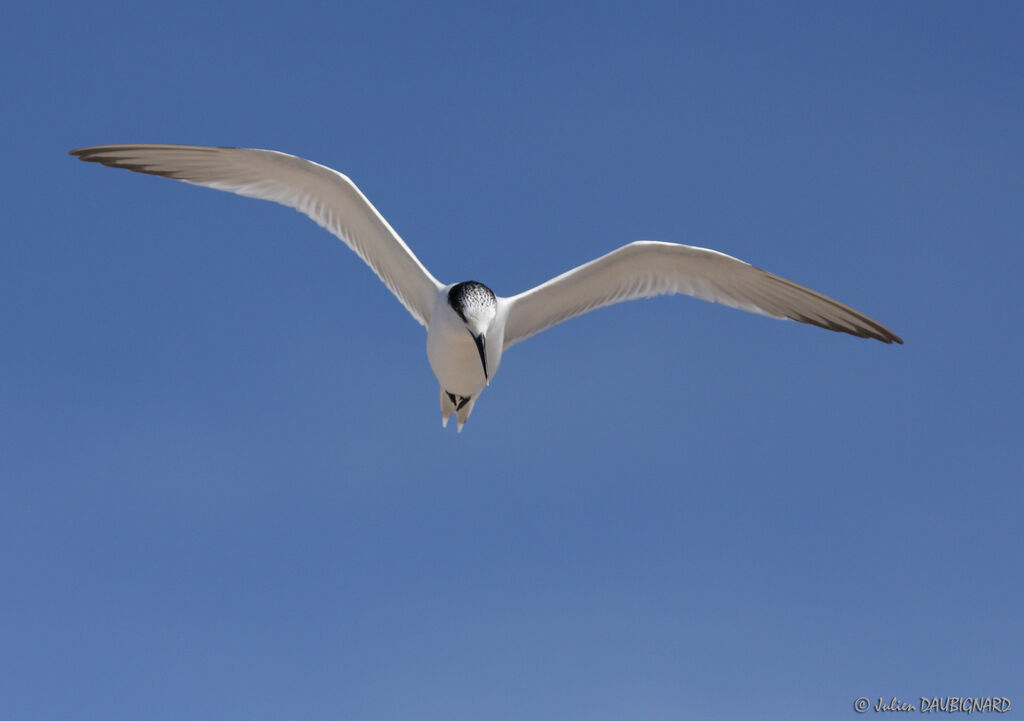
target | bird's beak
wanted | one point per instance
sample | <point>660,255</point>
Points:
<point>481,346</point>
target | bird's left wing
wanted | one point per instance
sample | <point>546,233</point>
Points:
<point>647,268</point>
<point>323,194</point>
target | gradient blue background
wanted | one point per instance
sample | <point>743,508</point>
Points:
<point>226,493</point>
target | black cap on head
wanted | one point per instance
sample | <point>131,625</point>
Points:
<point>470,294</point>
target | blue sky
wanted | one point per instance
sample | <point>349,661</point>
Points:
<point>226,491</point>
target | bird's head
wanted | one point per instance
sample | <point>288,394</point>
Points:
<point>476,305</point>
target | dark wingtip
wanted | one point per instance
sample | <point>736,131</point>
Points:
<point>875,330</point>
<point>889,338</point>
<point>87,154</point>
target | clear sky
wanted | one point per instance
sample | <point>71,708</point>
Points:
<point>226,493</point>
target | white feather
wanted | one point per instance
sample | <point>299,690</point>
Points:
<point>647,268</point>
<point>323,194</point>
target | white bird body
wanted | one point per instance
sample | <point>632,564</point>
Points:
<point>452,353</point>
<point>468,326</point>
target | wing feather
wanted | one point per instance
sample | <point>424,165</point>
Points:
<point>648,268</point>
<point>325,195</point>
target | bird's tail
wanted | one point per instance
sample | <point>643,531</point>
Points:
<point>447,408</point>
<point>460,407</point>
<point>462,414</point>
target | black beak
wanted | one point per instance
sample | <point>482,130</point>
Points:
<point>481,346</point>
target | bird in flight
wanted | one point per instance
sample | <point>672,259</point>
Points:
<point>468,326</point>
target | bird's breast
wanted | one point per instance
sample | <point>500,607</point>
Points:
<point>455,359</point>
<point>453,354</point>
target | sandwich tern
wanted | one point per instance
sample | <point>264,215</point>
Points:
<point>468,326</point>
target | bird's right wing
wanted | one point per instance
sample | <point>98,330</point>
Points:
<point>647,268</point>
<point>323,194</point>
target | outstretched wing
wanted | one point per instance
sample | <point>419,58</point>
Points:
<point>647,268</point>
<point>325,195</point>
